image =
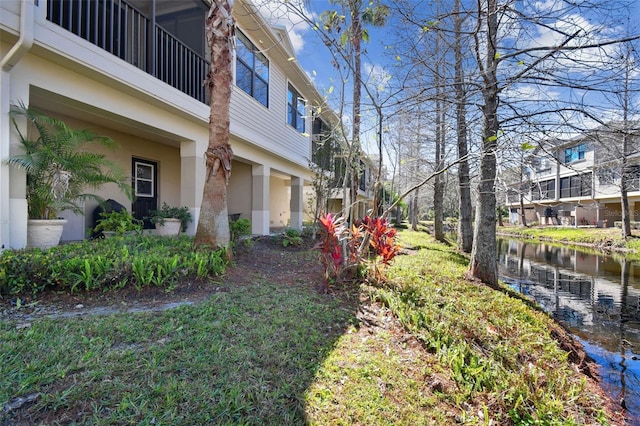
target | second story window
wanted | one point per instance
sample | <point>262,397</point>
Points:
<point>575,153</point>
<point>295,109</point>
<point>252,70</point>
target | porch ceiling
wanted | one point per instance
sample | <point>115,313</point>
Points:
<point>43,99</point>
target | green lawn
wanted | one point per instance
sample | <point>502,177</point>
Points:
<point>426,348</point>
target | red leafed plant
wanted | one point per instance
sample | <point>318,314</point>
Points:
<point>338,241</point>
<point>330,249</point>
<point>382,237</point>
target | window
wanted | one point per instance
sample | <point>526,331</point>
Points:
<point>296,109</point>
<point>252,70</point>
<point>323,145</point>
<point>606,176</point>
<point>576,186</point>
<point>632,176</point>
<point>143,179</point>
<point>575,153</point>
<point>545,190</point>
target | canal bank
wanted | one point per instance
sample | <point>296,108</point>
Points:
<point>605,239</point>
<point>499,352</point>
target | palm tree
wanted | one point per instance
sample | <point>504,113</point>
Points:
<point>213,223</point>
<point>59,169</point>
<point>359,17</point>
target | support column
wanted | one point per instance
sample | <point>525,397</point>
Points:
<point>260,199</point>
<point>13,182</point>
<point>296,203</point>
<point>192,175</point>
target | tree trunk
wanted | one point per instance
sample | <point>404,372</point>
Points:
<point>356,40</point>
<point>523,216</point>
<point>213,222</point>
<point>624,199</point>
<point>626,221</point>
<point>465,224</point>
<point>414,211</point>
<point>483,263</point>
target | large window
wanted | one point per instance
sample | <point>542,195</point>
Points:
<point>296,109</point>
<point>575,153</point>
<point>576,186</point>
<point>545,190</point>
<point>252,70</point>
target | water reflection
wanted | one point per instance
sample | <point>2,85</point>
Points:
<point>597,296</point>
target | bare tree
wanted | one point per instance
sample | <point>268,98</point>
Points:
<point>465,224</point>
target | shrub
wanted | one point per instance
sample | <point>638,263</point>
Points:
<point>240,228</point>
<point>291,237</point>
<point>118,222</point>
<point>107,263</point>
<point>166,212</point>
<point>370,241</point>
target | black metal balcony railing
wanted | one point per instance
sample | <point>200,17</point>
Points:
<point>122,30</point>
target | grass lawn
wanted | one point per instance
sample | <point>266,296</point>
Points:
<point>428,347</point>
<point>603,238</point>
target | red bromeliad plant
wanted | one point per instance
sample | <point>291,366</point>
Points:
<point>330,248</point>
<point>382,237</point>
<point>339,242</point>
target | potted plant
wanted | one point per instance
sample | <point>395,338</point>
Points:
<point>170,220</point>
<point>59,169</point>
<point>118,223</point>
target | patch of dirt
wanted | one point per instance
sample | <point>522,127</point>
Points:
<point>267,259</point>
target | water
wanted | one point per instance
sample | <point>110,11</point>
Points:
<point>596,296</point>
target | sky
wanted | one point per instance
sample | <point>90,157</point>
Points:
<point>315,59</point>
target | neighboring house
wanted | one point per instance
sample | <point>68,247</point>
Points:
<point>329,158</point>
<point>577,182</point>
<point>133,70</point>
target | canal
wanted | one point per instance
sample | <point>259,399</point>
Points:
<point>596,296</point>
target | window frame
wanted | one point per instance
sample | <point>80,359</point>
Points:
<point>580,150</point>
<point>576,185</point>
<point>253,70</point>
<point>296,117</point>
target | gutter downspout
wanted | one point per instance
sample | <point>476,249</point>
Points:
<point>25,41</point>
<point>8,61</point>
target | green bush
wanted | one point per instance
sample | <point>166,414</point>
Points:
<point>291,237</point>
<point>118,222</point>
<point>108,263</point>
<point>181,213</point>
<point>240,228</point>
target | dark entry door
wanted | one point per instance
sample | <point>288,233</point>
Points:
<point>144,176</point>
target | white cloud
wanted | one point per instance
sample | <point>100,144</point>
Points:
<point>287,15</point>
<point>376,75</point>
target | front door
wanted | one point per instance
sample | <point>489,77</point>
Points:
<point>144,176</point>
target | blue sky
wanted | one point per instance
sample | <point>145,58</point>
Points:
<point>314,56</point>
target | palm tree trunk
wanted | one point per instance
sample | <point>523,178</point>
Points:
<point>213,223</point>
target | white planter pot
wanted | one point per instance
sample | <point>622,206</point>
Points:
<point>171,227</point>
<point>44,233</point>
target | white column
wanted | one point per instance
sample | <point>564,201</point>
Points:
<point>296,203</point>
<point>13,201</point>
<point>260,199</point>
<point>192,175</point>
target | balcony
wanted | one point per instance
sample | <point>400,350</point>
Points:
<point>125,31</point>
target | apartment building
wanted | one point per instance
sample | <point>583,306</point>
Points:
<point>133,70</point>
<point>578,182</point>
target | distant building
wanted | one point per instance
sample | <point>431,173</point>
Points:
<point>577,182</point>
